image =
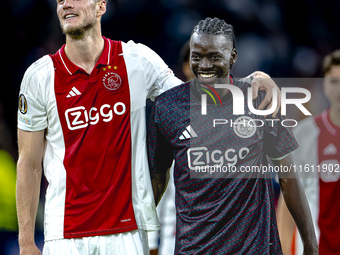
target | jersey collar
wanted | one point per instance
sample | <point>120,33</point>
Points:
<point>104,58</point>
<point>330,126</point>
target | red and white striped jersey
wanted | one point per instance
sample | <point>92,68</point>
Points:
<point>95,157</point>
<point>319,151</point>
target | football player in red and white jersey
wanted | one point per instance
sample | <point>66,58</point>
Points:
<point>319,140</point>
<point>81,118</point>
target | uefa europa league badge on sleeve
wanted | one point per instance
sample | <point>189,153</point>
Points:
<point>22,104</point>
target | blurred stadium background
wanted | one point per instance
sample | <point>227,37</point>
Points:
<point>285,38</point>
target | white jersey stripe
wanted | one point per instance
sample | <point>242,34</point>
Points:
<point>64,62</point>
<point>109,54</point>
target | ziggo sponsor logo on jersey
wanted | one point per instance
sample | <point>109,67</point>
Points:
<point>78,117</point>
<point>200,157</point>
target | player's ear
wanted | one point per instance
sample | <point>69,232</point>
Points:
<point>101,7</point>
<point>233,57</point>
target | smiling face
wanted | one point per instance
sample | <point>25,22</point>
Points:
<point>211,57</point>
<point>78,16</point>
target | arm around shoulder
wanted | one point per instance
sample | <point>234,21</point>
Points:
<point>158,76</point>
<point>262,81</point>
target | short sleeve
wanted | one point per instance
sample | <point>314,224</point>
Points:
<point>158,76</point>
<point>32,114</point>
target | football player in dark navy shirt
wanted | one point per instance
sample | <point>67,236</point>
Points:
<point>221,208</point>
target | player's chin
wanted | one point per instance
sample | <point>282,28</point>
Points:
<point>72,30</point>
<point>66,28</point>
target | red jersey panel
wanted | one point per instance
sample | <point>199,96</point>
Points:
<point>94,111</point>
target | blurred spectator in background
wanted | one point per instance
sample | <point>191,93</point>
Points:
<point>319,151</point>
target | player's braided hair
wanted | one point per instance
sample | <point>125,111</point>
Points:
<point>332,59</point>
<point>216,26</point>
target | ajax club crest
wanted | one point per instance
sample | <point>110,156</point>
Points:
<point>112,81</point>
<point>244,127</point>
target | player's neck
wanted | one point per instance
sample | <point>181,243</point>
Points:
<point>223,92</point>
<point>334,115</point>
<point>86,51</point>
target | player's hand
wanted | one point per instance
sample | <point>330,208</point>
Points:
<point>29,250</point>
<point>262,81</point>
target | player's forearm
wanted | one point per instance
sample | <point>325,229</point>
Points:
<point>27,192</point>
<point>297,204</point>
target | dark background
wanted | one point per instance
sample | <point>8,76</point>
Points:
<point>285,38</point>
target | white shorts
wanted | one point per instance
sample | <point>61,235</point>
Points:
<point>130,243</point>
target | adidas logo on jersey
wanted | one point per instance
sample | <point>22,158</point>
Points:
<point>330,150</point>
<point>188,133</point>
<point>74,92</point>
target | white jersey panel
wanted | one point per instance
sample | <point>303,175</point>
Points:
<point>148,76</point>
<point>142,195</point>
<point>307,133</point>
<point>38,88</point>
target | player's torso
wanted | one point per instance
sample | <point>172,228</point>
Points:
<point>90,157</point>
<point>92,107</point>
<point>94,115</point>
<point>95,157</point>
<point>219,138</point>
<point>209,198</point>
